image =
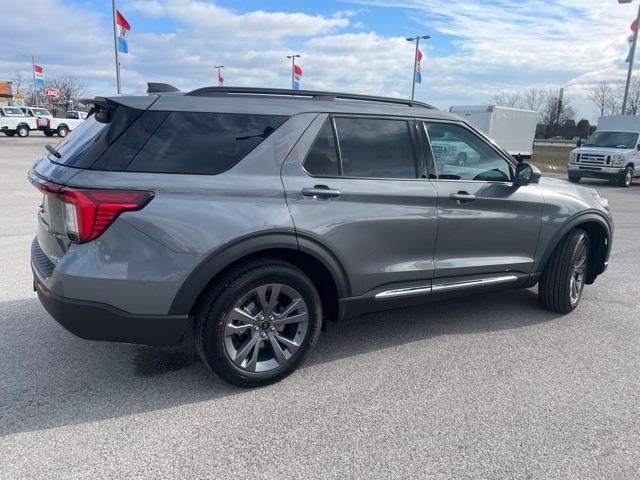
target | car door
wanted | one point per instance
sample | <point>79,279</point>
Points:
<point>353,185</point>
<point>486,225</point>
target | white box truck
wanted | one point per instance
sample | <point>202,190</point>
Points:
<point>514,129</point>
<point>612,152</point>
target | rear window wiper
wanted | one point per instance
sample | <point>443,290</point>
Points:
<point>267,131</point>
<point>52,151</point>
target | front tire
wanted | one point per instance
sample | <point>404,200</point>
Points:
<point>627,177</point>
<point>22,131</point>
<point>48,133</point>
<point>10,133</point>
<point>564,277</point>
<point>574,178</point>
<point>258,323</point>
<point>63,131</point>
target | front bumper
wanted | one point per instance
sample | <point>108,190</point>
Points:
<point>98,321</point>
<point>595,172</point>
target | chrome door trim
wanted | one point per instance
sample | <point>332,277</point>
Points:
<point>402,292</point>
<point>480,282</point>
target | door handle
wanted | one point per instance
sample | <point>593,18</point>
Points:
<point>462,197</point>
<point>320,191</point>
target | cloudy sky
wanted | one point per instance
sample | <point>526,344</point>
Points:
<point>479,47</point>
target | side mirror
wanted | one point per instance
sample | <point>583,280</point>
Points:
<point>526,174</point>
<point>579,143</point>
<point>638,147</point>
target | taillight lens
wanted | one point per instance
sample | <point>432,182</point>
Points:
<point>88,213</point>
<point>37,121</point>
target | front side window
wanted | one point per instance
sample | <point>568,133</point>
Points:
<point>13,112</point>
<point>375,148</point>
<point>459,154</point>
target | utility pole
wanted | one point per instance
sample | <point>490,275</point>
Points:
<point>415,60</point>
<point>219,68</point>
<point>293,57</point>
<point>631,60</point>
<point>115,46</point>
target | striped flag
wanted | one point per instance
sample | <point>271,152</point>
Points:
<point>297,74</point>
<point>123,29</point>
<point>634,27</point>
<point>418,67</point>
<point>38,71</point>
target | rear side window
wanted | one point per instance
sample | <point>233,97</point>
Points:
<point>368,148</point>
<point>322,160</point>
<point>202,143</point>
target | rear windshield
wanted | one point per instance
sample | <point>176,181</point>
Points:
<point>166,142</point>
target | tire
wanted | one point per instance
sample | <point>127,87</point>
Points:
<point>574,178</point>
<point>48,133</point>
<point>62,131</point>
<point>10,133</point>
<point>22,131</point>
<point>229,326</point>
<point>563,279</point>
<point>627,177</point>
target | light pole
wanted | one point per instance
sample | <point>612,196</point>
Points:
<point>631,59</point>
<point>415,60</point>
<point>220,78</point>
<point>293,57</point>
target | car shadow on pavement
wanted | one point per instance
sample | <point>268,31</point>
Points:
<point>50,378</point>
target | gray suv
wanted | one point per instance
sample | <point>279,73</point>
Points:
<point>255,216</point>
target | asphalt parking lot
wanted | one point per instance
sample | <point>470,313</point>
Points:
<point>483,387</point>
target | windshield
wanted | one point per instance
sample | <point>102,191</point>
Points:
<point>9,111</point>
<point>612,140</point>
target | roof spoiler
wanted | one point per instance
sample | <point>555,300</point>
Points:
<point>153,87</point>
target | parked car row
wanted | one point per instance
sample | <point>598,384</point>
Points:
<point>21,121</point>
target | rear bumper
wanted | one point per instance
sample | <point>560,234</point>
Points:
<point>98,321</point>
<point>595,172</point>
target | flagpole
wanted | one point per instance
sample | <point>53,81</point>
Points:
<point>631,60</point>
<point>33,72</point>
<point>293,57</point>
<point>415,60</point>
<point>115,46</point>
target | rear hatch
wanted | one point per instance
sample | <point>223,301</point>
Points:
<point>66,209</point>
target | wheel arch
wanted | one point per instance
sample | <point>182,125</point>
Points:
<point>600,235</point>
<point>310,256</point>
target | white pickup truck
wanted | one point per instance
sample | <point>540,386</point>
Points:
<point>612,152</point>
<point>13,121</point>
<point>62,126</point>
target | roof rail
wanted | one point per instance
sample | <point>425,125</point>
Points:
<point>153,87</point>
<point>318,95</point>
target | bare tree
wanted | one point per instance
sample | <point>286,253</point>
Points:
<point>601,95</point>
<point>71,89</point>
<point>554,113</point>
<point>18,82</point>
<point>633,102</point>
<point>532,99</point>
<point>507,99</point>
<point>614,102</point>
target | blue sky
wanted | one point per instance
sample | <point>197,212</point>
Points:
<point>478,48</point>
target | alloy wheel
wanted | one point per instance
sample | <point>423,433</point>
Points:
<point>266,327</point>
<point>578,271</point>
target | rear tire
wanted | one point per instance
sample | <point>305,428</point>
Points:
<point>63,131</point>
<point>10,133</point>
<point>574,178</point>
<point>564,277</point>
<point>234,333</point>
<point>22,131</point>
<point>627,177</point>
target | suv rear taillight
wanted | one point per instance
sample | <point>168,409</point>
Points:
<point>87,213</point>
<point>37,121</point>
